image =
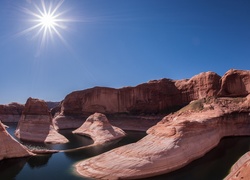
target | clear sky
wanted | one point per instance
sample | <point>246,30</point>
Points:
<point>116,43</point>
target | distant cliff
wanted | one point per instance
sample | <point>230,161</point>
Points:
<point>155,96</point>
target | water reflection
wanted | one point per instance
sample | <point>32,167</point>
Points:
<point>39,160</point>
<point>9,168</point>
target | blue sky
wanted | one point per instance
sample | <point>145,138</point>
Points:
<point>118,43</point>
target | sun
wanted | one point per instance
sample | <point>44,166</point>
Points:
<point>48,21</point>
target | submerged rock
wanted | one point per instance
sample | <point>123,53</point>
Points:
<point>35,124</point>
<point>174,142</point>
<point>99,129</point>
<point>9,147</point>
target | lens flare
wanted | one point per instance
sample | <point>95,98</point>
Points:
<point>48,21</point>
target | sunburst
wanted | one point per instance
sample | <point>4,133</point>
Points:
<point>47,20</point>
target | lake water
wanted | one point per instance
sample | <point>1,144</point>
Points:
<point>214,165</point>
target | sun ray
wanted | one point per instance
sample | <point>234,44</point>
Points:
<point>48,21</point>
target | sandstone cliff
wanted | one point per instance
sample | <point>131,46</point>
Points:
<point>154,97</point>
<point>9,147</point>
<point>11,112</point>
<point>99,129</point>
<point>35,124</point>
<point>174,142</point>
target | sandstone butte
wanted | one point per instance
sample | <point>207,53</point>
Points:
<point>99,129</point>
<point>10,148</point>
<point>36,125</point>
<point>179,138</point>
<point>11,112</point>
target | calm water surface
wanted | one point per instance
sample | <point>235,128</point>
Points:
<point>214,165</point>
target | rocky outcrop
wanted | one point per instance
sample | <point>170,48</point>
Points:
<point>35,124</point>
<point>235,83</point>
<point>203,85</point>
<point>11,112</point>
<point>241,169</point>
<point>9,147</point>
<point>174,142</point>
<point>99,129</point>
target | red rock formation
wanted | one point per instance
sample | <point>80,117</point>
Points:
<point>241,169</point>
<point>11,112</point>
<point>174,142</point>
<point>200,86</point>
<point>9,147</point>
<point>235,83</point>
<point>35,124</point>
<point>99,129</point>
<point>154,97</point>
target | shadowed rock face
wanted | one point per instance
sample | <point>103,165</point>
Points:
<point>9,147</point>
<point>11,112</point>
<point>174,142</point>
<point>99,129</point>
<point>35,124</point>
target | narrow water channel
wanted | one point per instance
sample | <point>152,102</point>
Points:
<point>214,165</point>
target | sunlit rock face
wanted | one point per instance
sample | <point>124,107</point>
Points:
<point>9,147</point>
<point>99,129</point>
<point>203,85</point>
<point>154,97</point>
<point>11,112</point>
<point>241,169</point>
<point>235,83</point>
<point>35,124</point>
<point>174,142</point>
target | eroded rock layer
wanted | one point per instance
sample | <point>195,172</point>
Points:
<point>174,142</point>
<point>11,112</point>
<point>99,129</point>
<point>9,147</point>
<point>35,124</point>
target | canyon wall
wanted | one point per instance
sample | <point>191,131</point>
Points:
<point>153,97</point>
<point>11,112</point>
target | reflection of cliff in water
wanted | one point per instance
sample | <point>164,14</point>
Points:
<point>10,168</point>
<point>39,160</point>
<point>80,154</point>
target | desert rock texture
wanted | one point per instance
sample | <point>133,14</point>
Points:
<point>218,111</point>
<point>153,97</point>
<point>11,112</point>
<point>99,129</point>
<point>9,147</point>
<point>36,125</point>
<point>241,169</point>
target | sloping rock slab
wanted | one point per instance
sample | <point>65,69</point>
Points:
<point>9,147</point>
<point>241,169</point>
